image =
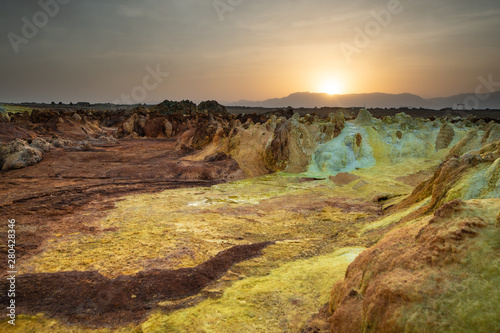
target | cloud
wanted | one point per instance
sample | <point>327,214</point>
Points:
<point>94,49</point>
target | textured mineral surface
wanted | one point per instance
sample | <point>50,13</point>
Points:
<point>186,218</point>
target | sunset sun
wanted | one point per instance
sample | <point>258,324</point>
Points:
<point>331,87</point>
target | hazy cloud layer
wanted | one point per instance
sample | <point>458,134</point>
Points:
<point>98,50</point>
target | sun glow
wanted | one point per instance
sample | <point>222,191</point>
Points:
<point>331,87</point>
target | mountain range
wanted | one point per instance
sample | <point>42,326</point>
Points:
<point>378,100</point>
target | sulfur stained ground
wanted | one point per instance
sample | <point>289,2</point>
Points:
<point>317,228</point>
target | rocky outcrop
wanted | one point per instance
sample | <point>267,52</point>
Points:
<point>169,128</point>
<point>144,124</point>
<point>428,274</point>
<point>41,144</point>
<point>246,144</point>
<point>20,154</point>
<point>491,133</point>
<point>277,152</point>
<point>169,119</point>
<point>178,108</point>
<point>469,142</point>
<point>213,108</point>
<point>364,118</point>
<point>73,124</point>
<point>445,136</point>
<point>154,127</point>
<point>279,144</point>
<point>338,120</point>
<point>44,116</point>
<point>206,131</point>
<point>477,170</point>
<point>134,124</point>
<point>434,275</point>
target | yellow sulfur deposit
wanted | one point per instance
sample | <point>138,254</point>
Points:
<point>318,228</point>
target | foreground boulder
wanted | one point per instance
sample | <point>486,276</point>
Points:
<point>20,154</point>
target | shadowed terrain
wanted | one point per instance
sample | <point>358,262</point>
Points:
<point>92,299</point>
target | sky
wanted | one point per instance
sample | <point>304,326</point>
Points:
<point>228,50</point>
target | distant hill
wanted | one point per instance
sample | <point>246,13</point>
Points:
<point>377,100</point>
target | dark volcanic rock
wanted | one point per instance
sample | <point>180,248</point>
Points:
<point>154,127</point>
<point>212,107</point>
<point>43,116</point>
<point>181,108</point>
<point>204,133</point>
